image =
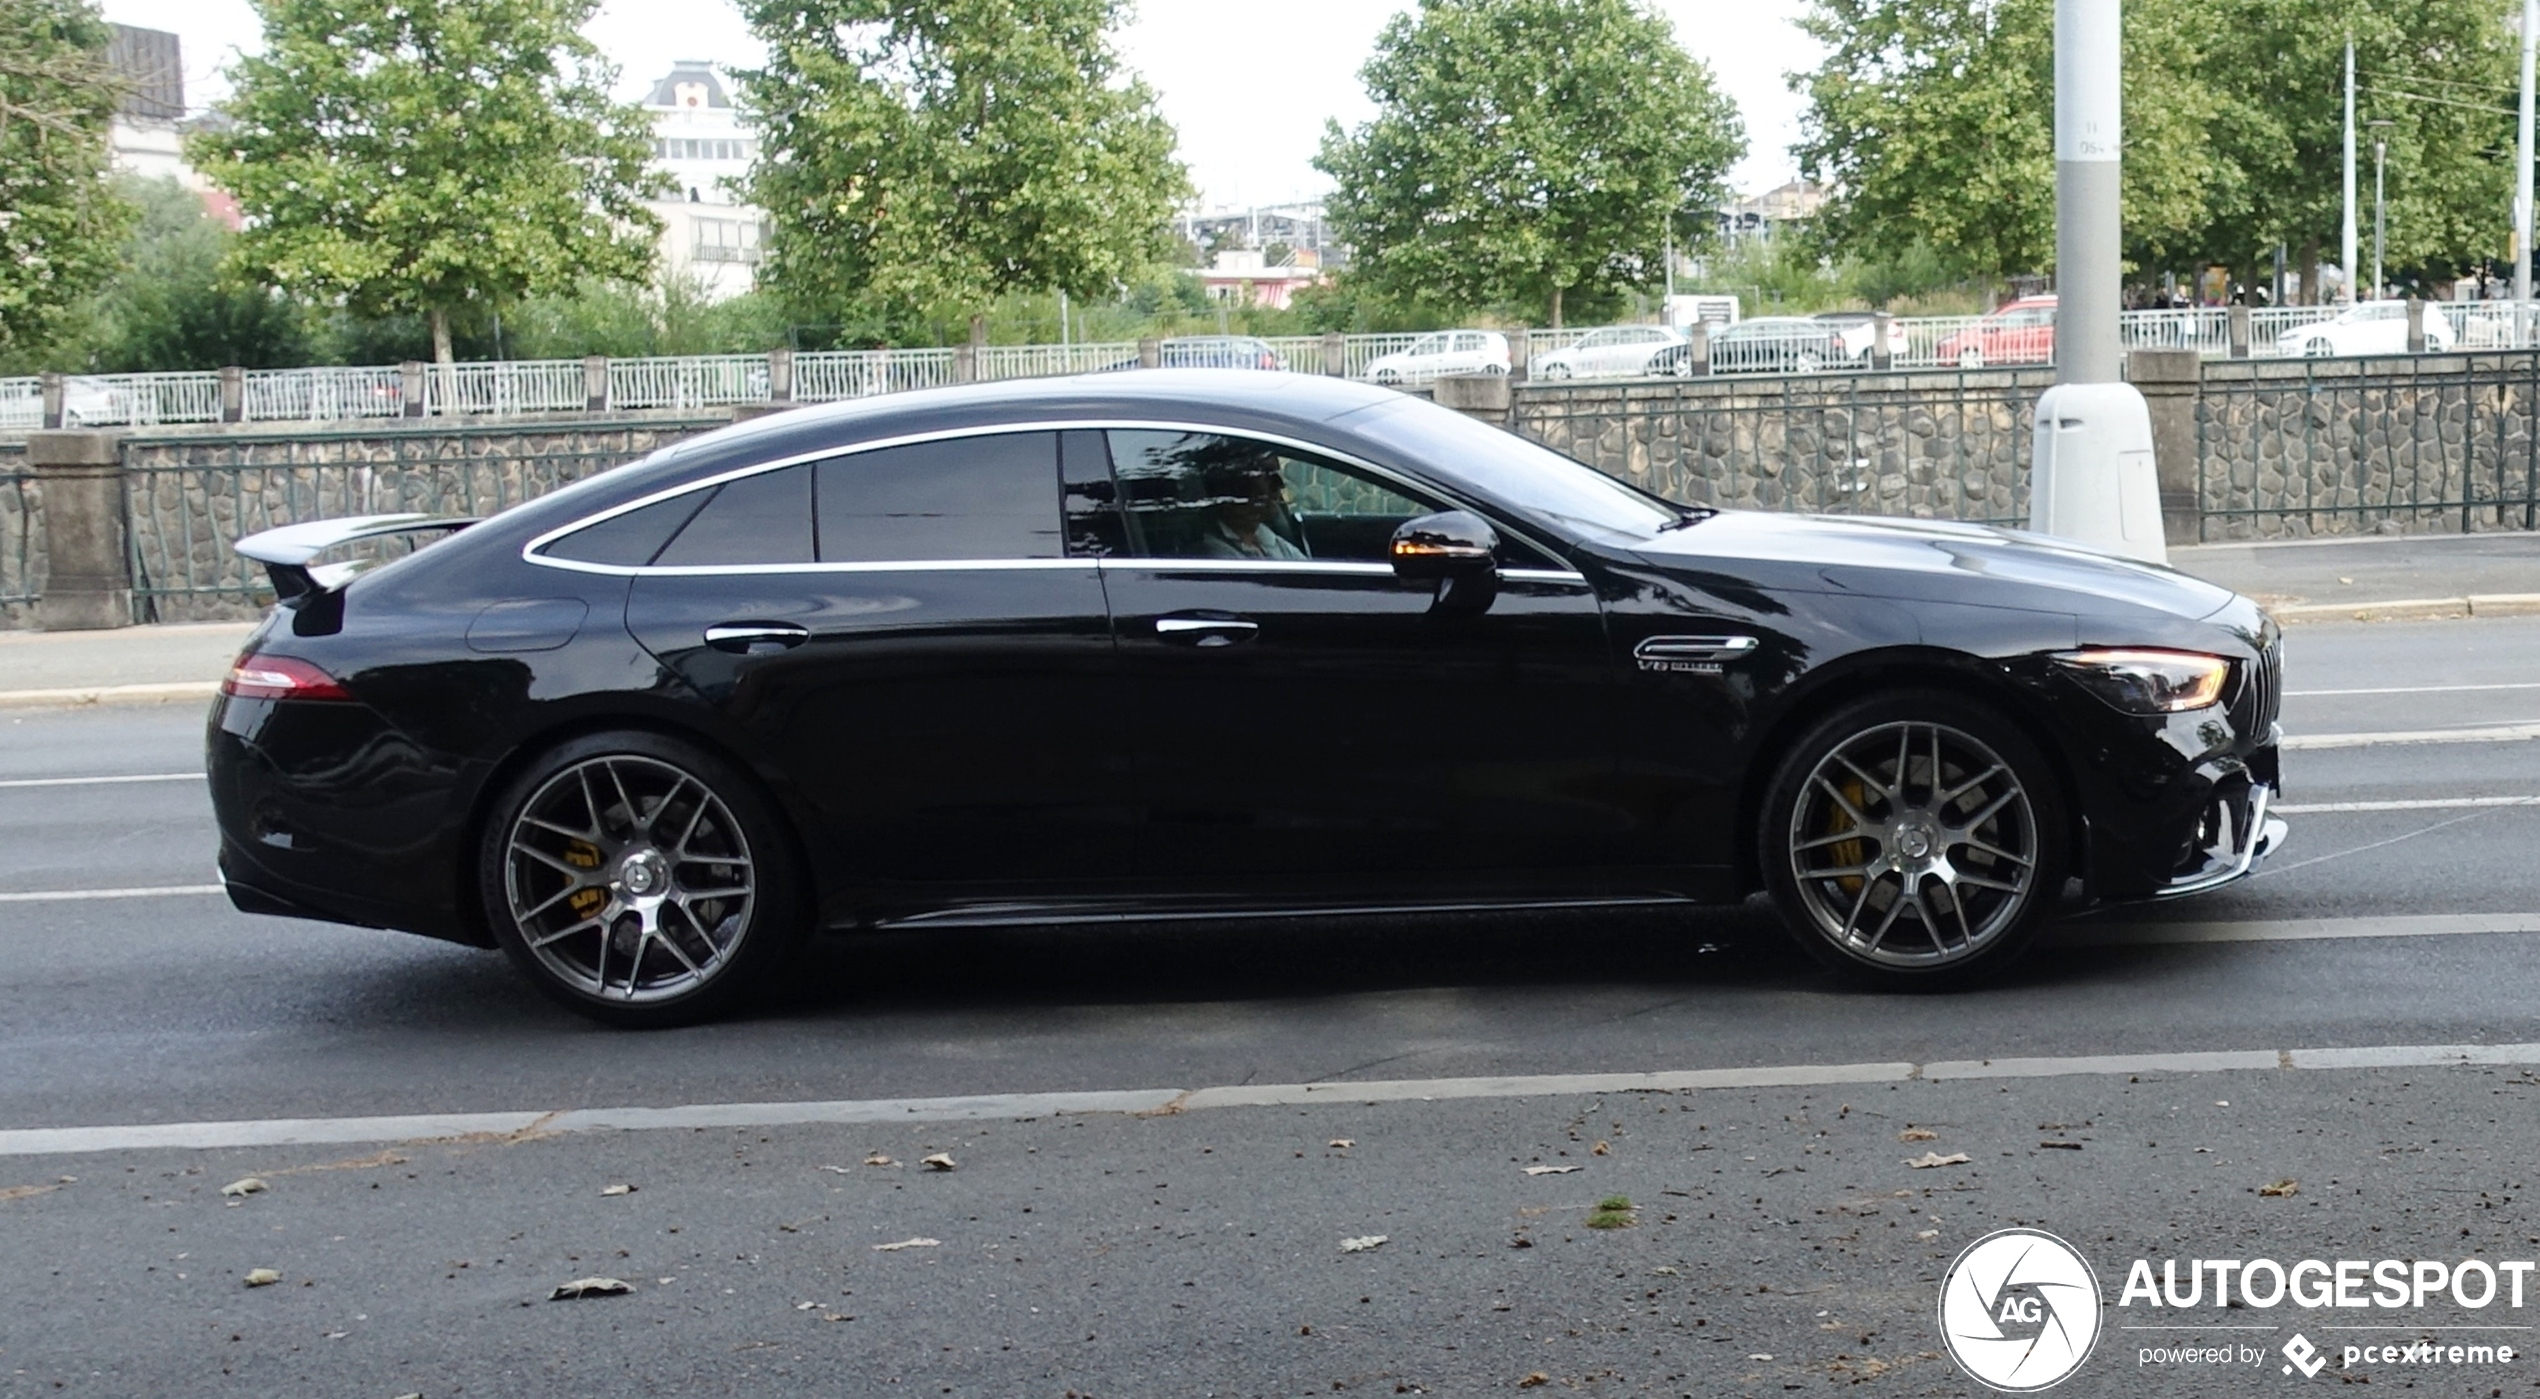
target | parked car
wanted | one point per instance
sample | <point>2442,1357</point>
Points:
<point>2017,332</point>
<point>1149,645</point>
<point>2365,328</point>
<point>1616,349</point>
<point>1442,352</point>
<point>1771,345</point>
<point>1859,328</point>
<point>1220,352</point>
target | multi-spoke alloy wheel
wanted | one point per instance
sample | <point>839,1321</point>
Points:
<point>1906,845</point>
<point>629,880</point>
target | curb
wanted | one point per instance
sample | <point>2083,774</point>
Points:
<point>109,694</point>
<point>2413,609</point>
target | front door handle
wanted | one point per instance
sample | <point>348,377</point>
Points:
<point>1205,631</point>
<point>746,638</point>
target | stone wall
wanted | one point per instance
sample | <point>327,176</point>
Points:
<point>2305,448</point>
<point>1931,446</point>
<point>21,536</point>
<point>191,494</point>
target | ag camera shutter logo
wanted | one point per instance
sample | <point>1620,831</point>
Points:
<point>2019,1310</point>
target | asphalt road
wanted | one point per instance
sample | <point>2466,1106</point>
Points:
<point>1196,1249</point>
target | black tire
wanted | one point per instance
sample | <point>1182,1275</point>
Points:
<point>698,919</point>
<point>1986,886</point>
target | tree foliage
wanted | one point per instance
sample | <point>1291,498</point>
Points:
<point>1525,150</point>
<point>916,154</point>
<point>1933,120</point>
<point>173,305</point>
<point>59,221</point>
<point>431,155</point>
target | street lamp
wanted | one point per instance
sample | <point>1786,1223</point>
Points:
<point>2380,149</point>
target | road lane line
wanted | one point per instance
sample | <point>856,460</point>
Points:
<point>40,896</point>
<point>2410,804</point>
<point>2492,733</point>
<point>50,1141</point>
<point>110,694</point>
<point>2415,689</point>
<point>2090,933</point>
<point>100,781</point>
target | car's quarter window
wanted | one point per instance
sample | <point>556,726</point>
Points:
<point>989,497</point>
<point>632,539</point>
<point>762,519</point>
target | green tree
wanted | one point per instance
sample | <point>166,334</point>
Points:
<point>431,156</point>
<point>1935,122</point>
<point>173,306</point>
<point>916,154</point>
<point>1527,150</point>
<point>60,224</point>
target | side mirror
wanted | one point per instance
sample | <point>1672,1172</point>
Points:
<point>1449,544</point>
<point>1455,549</point>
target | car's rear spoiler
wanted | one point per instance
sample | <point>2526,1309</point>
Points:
<point>286,552</point>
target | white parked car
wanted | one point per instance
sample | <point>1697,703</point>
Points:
<point>2365,328</point>
<point>1617,349</point>
<point>1442,352</point>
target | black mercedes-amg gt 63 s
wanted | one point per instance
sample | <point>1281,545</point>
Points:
<point>1189,643</point>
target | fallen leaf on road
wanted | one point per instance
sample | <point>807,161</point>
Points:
<point>1927,1235</point>
<point>1534,1380</point>
<point>20,1192</point>
<point>907,1243</point>
<point>618,1190</point>
<point>1550,1170</point>
<point>590,1287</point>
<point>2061,1146</point>
<point>1930,1159</point>
<point>252,1185</point>
<point>2281,1189</point>
<point>1600,1149</point>
<point>940,1161</point>
<point>805,1306</point>
<point>262,1277</point>
<point>1759,1356</point>
<point>1918,1134</point>
<point>878,1159</point>
<point>841,1170</point>
<point>1340,1143</point>
<point>1362,1244</point>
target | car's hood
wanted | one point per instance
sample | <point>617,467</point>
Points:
<point>1937,561</point>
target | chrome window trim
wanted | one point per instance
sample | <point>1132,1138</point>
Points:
<point>1328,566</point>
<point>529,551</point>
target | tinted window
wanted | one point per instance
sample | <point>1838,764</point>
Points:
<point>1535,480</point>
<point>632,539</point>
<point>964,498</point>
<point>762,519</point>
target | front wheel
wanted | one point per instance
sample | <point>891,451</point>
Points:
<point>639,880</point>
<point>1555,371</point>
<point>1914,840</point>
<point>1971,358</point>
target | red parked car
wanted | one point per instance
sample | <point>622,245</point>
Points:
<point>2017,332</point>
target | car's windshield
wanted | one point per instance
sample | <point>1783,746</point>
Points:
<point>1520,473</point>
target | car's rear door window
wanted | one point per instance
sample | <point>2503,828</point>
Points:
<point>762,519</point>
<point>989,497</point>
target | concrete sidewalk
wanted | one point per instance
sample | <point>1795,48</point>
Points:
<point>2402,578</point>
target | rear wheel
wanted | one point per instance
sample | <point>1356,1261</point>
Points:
<point>639,880</point>
<point>1914,840</point>
<point>1971,358</point>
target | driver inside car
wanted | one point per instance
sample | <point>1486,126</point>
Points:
<point>1250,504</point>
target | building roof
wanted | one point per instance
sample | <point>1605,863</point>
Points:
<point>689,72</point>
<point>151,62</point>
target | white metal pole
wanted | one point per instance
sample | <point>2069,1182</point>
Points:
<point>2380,149</point>
<point>2346,244</point>
<point>1064,341</point>
<point>2522,176</point>
<point>2088,190</point>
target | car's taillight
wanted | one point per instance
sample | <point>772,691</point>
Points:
<point>280,677</point>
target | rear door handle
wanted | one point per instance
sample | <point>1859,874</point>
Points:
<point>743,638</point>
<point>1205,631</point>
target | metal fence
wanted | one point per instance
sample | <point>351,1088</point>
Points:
<point>1928,446</point>
<point>2355,446</point>
<point>186,498</point>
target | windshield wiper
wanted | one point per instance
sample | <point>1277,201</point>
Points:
<point>1688,515</point>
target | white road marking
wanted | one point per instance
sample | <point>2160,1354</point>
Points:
<point>2414,690</point>
<point>2411,804</point>
<point>100,781</point>
<point>39,896</point>
<point>2492,733</point>
<point>111,694</point>
<point>47,1141</point>
<point>2093,933</point>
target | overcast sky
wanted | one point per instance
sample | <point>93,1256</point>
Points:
<point>1247,86</point>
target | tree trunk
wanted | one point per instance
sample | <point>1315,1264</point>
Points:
<point>442,356</point>
<point>2310,273</point>
<point>1556,308</point>
<point>979,329</point>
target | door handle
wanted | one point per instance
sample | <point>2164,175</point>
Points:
<point>1205,631</point>
<point>743,638</point>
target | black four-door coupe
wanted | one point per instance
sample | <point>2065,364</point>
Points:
<point>1192,643</point>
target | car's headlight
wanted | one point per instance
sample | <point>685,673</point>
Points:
<point>2148,682</point>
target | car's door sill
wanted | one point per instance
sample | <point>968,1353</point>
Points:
<point>1010,914</point>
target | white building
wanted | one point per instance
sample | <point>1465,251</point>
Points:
<point>708,235</point>
<point>147,137</point>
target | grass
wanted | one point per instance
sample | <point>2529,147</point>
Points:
<point>1612,1212</point>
